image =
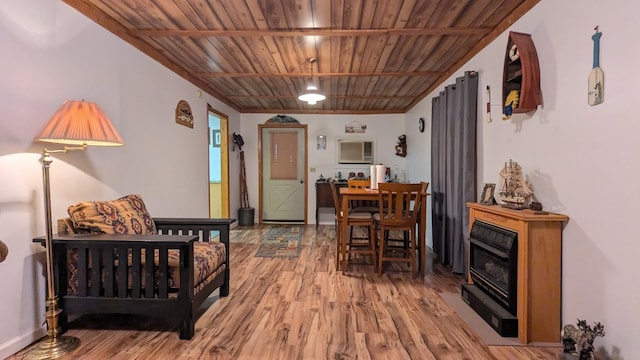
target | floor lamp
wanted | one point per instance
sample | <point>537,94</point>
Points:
<point>76,125</point>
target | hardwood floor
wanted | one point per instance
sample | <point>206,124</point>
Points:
<point>302,309</point>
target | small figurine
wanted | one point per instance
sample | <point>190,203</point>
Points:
<point>401,146</point>
<point>579,341</point>
<point>510,104</point>
<point>535,205</point>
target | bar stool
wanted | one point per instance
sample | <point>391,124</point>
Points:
<point>353,219</point>
<point>399,205</point>
<point>362,205</point>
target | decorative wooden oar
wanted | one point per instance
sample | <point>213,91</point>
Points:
<point>596,77</point>
<point>489,119</point>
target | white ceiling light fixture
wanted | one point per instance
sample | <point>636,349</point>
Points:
<point>311,95</point>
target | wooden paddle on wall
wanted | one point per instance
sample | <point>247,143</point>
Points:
<point>596,77</point>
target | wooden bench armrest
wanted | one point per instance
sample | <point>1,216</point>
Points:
<point>119,239</point>
<point>194,222</point>
<point>195,226</point>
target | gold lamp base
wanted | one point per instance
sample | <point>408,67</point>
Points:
<point>53,348</point>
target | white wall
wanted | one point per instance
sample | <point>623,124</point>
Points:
<point>51,53</point>
<point>582,161</point>
<point>383,129</point>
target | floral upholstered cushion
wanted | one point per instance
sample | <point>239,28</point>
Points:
<point>65,226</point>
<point>209,260</point>
<point>126,215</point>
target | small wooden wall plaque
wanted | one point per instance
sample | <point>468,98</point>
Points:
<point>184,116</point>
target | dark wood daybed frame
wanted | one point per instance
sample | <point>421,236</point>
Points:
<point>133,298</point>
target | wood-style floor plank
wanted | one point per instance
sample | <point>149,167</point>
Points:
<point>303,309</point>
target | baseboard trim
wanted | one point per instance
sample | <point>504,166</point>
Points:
<point>20,342</point>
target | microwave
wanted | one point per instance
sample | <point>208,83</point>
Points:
<point>355,152</point>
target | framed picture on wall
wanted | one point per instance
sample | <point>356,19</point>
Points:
<point>487,194</point>
<point>215,138</point>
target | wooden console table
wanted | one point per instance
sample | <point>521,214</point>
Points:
<point>539,267</point>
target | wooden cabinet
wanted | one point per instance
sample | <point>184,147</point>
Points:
<point>324,198</point>
<point>539,267</point>
<point>521,75</point>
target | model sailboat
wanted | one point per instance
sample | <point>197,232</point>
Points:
<point>514,191</point>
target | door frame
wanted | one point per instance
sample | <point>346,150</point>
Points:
<point>260,164</point>
<point>224,161</point>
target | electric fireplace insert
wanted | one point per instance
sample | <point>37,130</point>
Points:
<point>493,268</point>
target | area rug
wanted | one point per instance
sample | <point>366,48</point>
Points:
<point>481,328</point>
<point>281,242</point>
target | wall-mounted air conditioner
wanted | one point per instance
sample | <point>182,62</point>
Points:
<point>355,152</point>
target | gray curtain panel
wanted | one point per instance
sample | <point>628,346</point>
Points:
<point>453,168</point>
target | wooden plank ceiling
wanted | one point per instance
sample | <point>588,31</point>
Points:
<point>374,56</point>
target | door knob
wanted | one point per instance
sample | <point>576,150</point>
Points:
<point>301,181</point>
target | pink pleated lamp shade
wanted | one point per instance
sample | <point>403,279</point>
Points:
<point>80,123</point>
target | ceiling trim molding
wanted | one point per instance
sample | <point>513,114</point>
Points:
<point>326,74</point>
<point>380,97</point>
<point>448,31</point>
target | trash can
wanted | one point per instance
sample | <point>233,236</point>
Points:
<point>245,216</point>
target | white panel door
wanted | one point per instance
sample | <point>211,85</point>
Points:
<point>283,174</point>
